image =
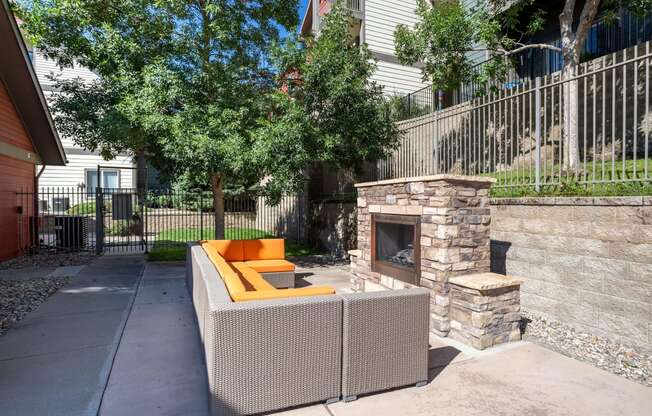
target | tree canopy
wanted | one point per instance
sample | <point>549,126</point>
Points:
<point>203,85</point>
<point>448,31</point>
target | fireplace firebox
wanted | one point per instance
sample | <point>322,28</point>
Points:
<point>395,246</point>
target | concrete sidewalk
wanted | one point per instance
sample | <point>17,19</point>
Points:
<point>57,360</point>
<point>60,360</point>
<point>158,369</point>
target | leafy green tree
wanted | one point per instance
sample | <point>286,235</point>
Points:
<point>333,111</point>
<point>116,40</point>
<point>198,81</point>
<point>447,31</point>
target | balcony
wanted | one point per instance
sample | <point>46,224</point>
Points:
<point>354,5</point>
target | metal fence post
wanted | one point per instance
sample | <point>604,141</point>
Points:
<point>537,133</point>
<point>99,221</point>
<point>436,143</point>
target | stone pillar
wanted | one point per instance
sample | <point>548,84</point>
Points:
<point>485,309</point>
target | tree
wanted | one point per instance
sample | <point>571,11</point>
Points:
<point>116,40</point>
<point>333,111</point>
<point>187,74</point>
<point>447,32</point>
<point>208,89</point>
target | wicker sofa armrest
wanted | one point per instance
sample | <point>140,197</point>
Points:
<point>385,340</point>
<point>268,355</point>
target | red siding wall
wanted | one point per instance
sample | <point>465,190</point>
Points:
<point>15,175</point>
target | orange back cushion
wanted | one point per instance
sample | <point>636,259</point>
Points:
<point>230,277</point>
<point>264,249</point>
<point>231,250</point>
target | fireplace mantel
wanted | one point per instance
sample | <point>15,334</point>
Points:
<point>430,178</point>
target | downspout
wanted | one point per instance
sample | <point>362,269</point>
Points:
<point>35,222</point>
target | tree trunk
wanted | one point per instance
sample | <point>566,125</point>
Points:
<point>571,162</point>
<point>217,183</point>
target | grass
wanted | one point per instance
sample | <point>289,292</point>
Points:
<point>517,182</point>
<point>170,245</point>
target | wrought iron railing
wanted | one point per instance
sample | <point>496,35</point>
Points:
<point>604,37</point>
<point>518,135</point>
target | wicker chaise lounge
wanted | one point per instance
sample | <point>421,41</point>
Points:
<point>270,354</point>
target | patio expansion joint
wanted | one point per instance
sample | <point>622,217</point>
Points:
<point>120,336</point>
<point>88,347</point>
<point>328,410</point>
<point>72,314</point>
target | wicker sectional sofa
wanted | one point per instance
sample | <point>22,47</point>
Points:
<point>270,354</point>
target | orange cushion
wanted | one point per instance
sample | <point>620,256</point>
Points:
<point>270,266</point>
<point>251,278</point>
<point>231,279</point>
<point>264,249</point>
<point>231,250</point>
<point>284,293</point>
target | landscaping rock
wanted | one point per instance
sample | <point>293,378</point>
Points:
<point>48,259</point>
<point>603,353</point>
<point>19,297</point>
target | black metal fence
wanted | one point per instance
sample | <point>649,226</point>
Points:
<point>604,37</point>
<point>129,220</point>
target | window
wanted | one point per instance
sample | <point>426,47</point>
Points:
<point>110,180</point>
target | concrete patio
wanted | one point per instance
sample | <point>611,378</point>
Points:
<point>121,340</point>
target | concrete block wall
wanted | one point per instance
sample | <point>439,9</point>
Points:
<point>585,261</point>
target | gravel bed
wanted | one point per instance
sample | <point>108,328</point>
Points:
<point>601,352</point>
<point>48,259</point>
<point>20,297</point>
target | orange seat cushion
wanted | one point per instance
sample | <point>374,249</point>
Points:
<point>283,293</point>
<point>231,279</point>
<point>251,278</point>
<point>270,266</point>
<point>264,249</point>
<point>231,250</point>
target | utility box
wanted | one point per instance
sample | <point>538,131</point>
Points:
<point>71,231</point>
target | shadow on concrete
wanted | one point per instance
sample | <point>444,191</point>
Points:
<point>439,358</point>
<point>300,279</point>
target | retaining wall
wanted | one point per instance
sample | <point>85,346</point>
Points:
<point>585,261</point>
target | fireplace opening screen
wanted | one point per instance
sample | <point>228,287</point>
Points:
<point>395,246</point>
<point>395,243</point>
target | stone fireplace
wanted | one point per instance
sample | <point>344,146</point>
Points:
<point>425,231</point>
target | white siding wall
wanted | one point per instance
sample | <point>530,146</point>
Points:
<point>45,67</point>
<point>381,19</point>
<point>73,174</point>
<point>79,160</point>
<point>398,79</point>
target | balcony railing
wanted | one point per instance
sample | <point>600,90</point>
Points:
<point>354,5</point>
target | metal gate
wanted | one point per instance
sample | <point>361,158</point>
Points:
<point>121,220</point>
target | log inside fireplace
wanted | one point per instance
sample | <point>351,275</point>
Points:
<point>395,246</point>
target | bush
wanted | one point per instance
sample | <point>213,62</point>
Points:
<point>86,208</point>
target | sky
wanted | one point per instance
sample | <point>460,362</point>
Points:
<point>303,4</point>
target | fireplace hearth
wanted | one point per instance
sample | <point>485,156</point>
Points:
<point>396,247</point>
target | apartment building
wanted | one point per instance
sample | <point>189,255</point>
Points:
<point>81,171</point>
<point>374,23</point>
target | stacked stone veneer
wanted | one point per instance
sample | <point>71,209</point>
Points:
<point>586,262</point>
<point>455,222</point>
<point>485,309</point>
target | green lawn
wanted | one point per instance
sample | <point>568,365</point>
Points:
<point>170,245</point>
<point>515,182</point>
